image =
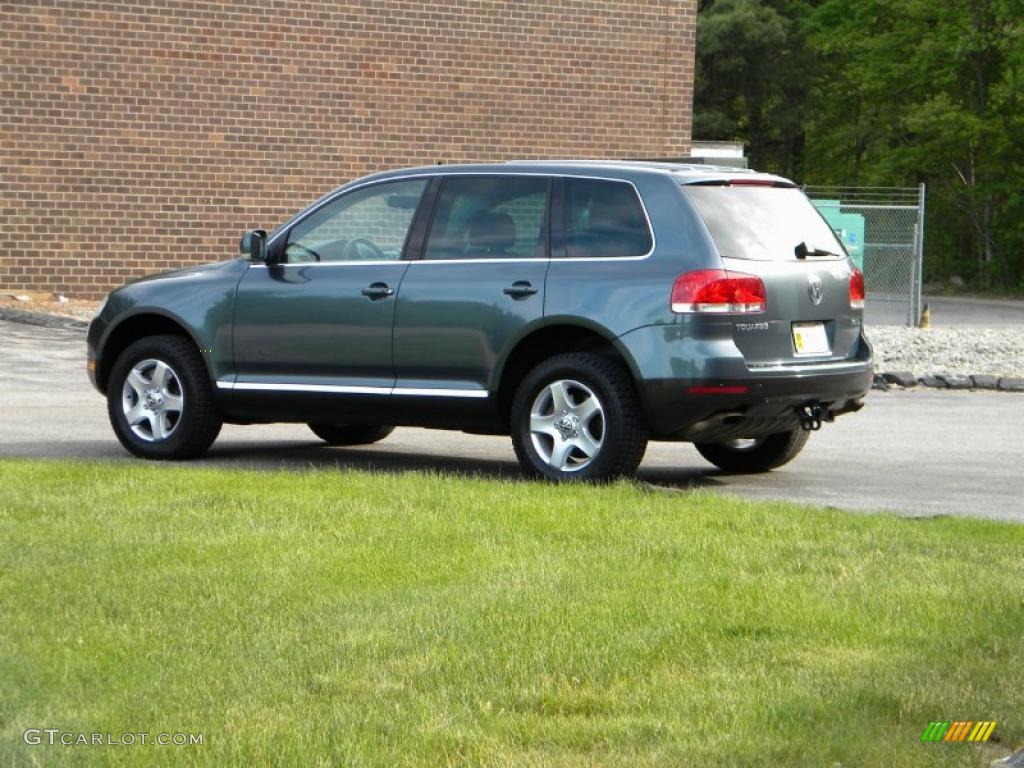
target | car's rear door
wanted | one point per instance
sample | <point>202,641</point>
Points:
<point>773,232</point>
<point>479,282</point>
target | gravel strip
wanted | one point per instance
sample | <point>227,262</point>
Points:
<point>948,358</point>
<point>995,352</point>
<point>79,309</point>
<point>43,318</point>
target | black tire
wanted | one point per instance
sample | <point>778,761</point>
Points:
<point>197,424</point>
<point>623,429</point>
<point>764,454</point>
<point>350,434</point>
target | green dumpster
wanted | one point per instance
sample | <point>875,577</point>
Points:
<point>849,227</point>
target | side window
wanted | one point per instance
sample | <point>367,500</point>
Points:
<point>369,224</point>
<point>604,219</point>
<point>490,217</point>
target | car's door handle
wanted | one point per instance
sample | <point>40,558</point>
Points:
<point>376,291</point>
<point>520,289</point>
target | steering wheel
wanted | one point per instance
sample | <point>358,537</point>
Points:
<point>351,250</point>
<point>310,251</point>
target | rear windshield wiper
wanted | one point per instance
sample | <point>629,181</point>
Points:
<point>802,252</point>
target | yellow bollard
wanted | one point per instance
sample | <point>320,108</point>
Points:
<point>926,318</point>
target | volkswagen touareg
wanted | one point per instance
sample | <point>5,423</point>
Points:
<point>583,308</point>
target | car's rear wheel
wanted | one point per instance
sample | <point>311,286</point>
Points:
<point>160,401</point>
<point>576,417</point>
<point>747,456</point>
<point>350,434</point>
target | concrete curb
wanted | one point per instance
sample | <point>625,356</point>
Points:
<point>975,381</point>
<point>43,319</point>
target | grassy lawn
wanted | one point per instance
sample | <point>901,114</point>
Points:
<point>346,618</point>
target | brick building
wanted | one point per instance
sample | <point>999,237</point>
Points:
<point>139,136</point>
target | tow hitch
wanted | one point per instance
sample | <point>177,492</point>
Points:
<point>814,415</point>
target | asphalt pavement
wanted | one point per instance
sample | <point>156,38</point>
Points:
<point>917,453</point>
<point>951,312</point>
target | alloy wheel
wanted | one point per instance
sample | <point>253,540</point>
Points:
<point>567,425</point>
<point>152,400</point>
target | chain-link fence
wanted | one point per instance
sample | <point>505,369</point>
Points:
<point>883,229</point>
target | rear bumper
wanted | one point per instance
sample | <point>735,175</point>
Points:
<point>734,400</point>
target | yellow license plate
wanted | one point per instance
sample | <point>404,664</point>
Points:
<point>810,339</point>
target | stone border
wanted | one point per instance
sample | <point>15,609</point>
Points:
<point>906,380</point>
<point>883,381</point>
<point>42,318</point>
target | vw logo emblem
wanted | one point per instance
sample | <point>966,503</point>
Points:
<point>815,289</point>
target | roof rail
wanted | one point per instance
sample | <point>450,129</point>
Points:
<point>672,165</point>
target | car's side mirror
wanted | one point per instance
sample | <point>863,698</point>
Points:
<point>254,243</point>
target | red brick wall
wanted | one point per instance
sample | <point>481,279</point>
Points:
<point>138,136</point>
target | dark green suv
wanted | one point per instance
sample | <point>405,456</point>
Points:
<point>583,308</point>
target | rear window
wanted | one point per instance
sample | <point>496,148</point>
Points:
<point>762,223</point>
<point>604,219</point>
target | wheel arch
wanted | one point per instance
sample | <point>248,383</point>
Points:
<point>554,336</point>
<point>130,329</point>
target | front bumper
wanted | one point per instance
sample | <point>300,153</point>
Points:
<point>92,364</point>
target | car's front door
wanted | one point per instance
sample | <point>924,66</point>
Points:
<point>320,319</point>
<point>479,282</point>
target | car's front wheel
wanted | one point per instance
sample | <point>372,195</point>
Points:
<point>350,434</point>
<point>160,401</point>
<point>755,455</point>
<point>576,417</point>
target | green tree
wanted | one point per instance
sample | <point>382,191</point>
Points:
<point>753,72</point>
<point>913,90</point>
<point>883,92</point>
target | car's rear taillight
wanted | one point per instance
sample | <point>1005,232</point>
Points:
<point>856,289</point>
<point>718,291</point>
